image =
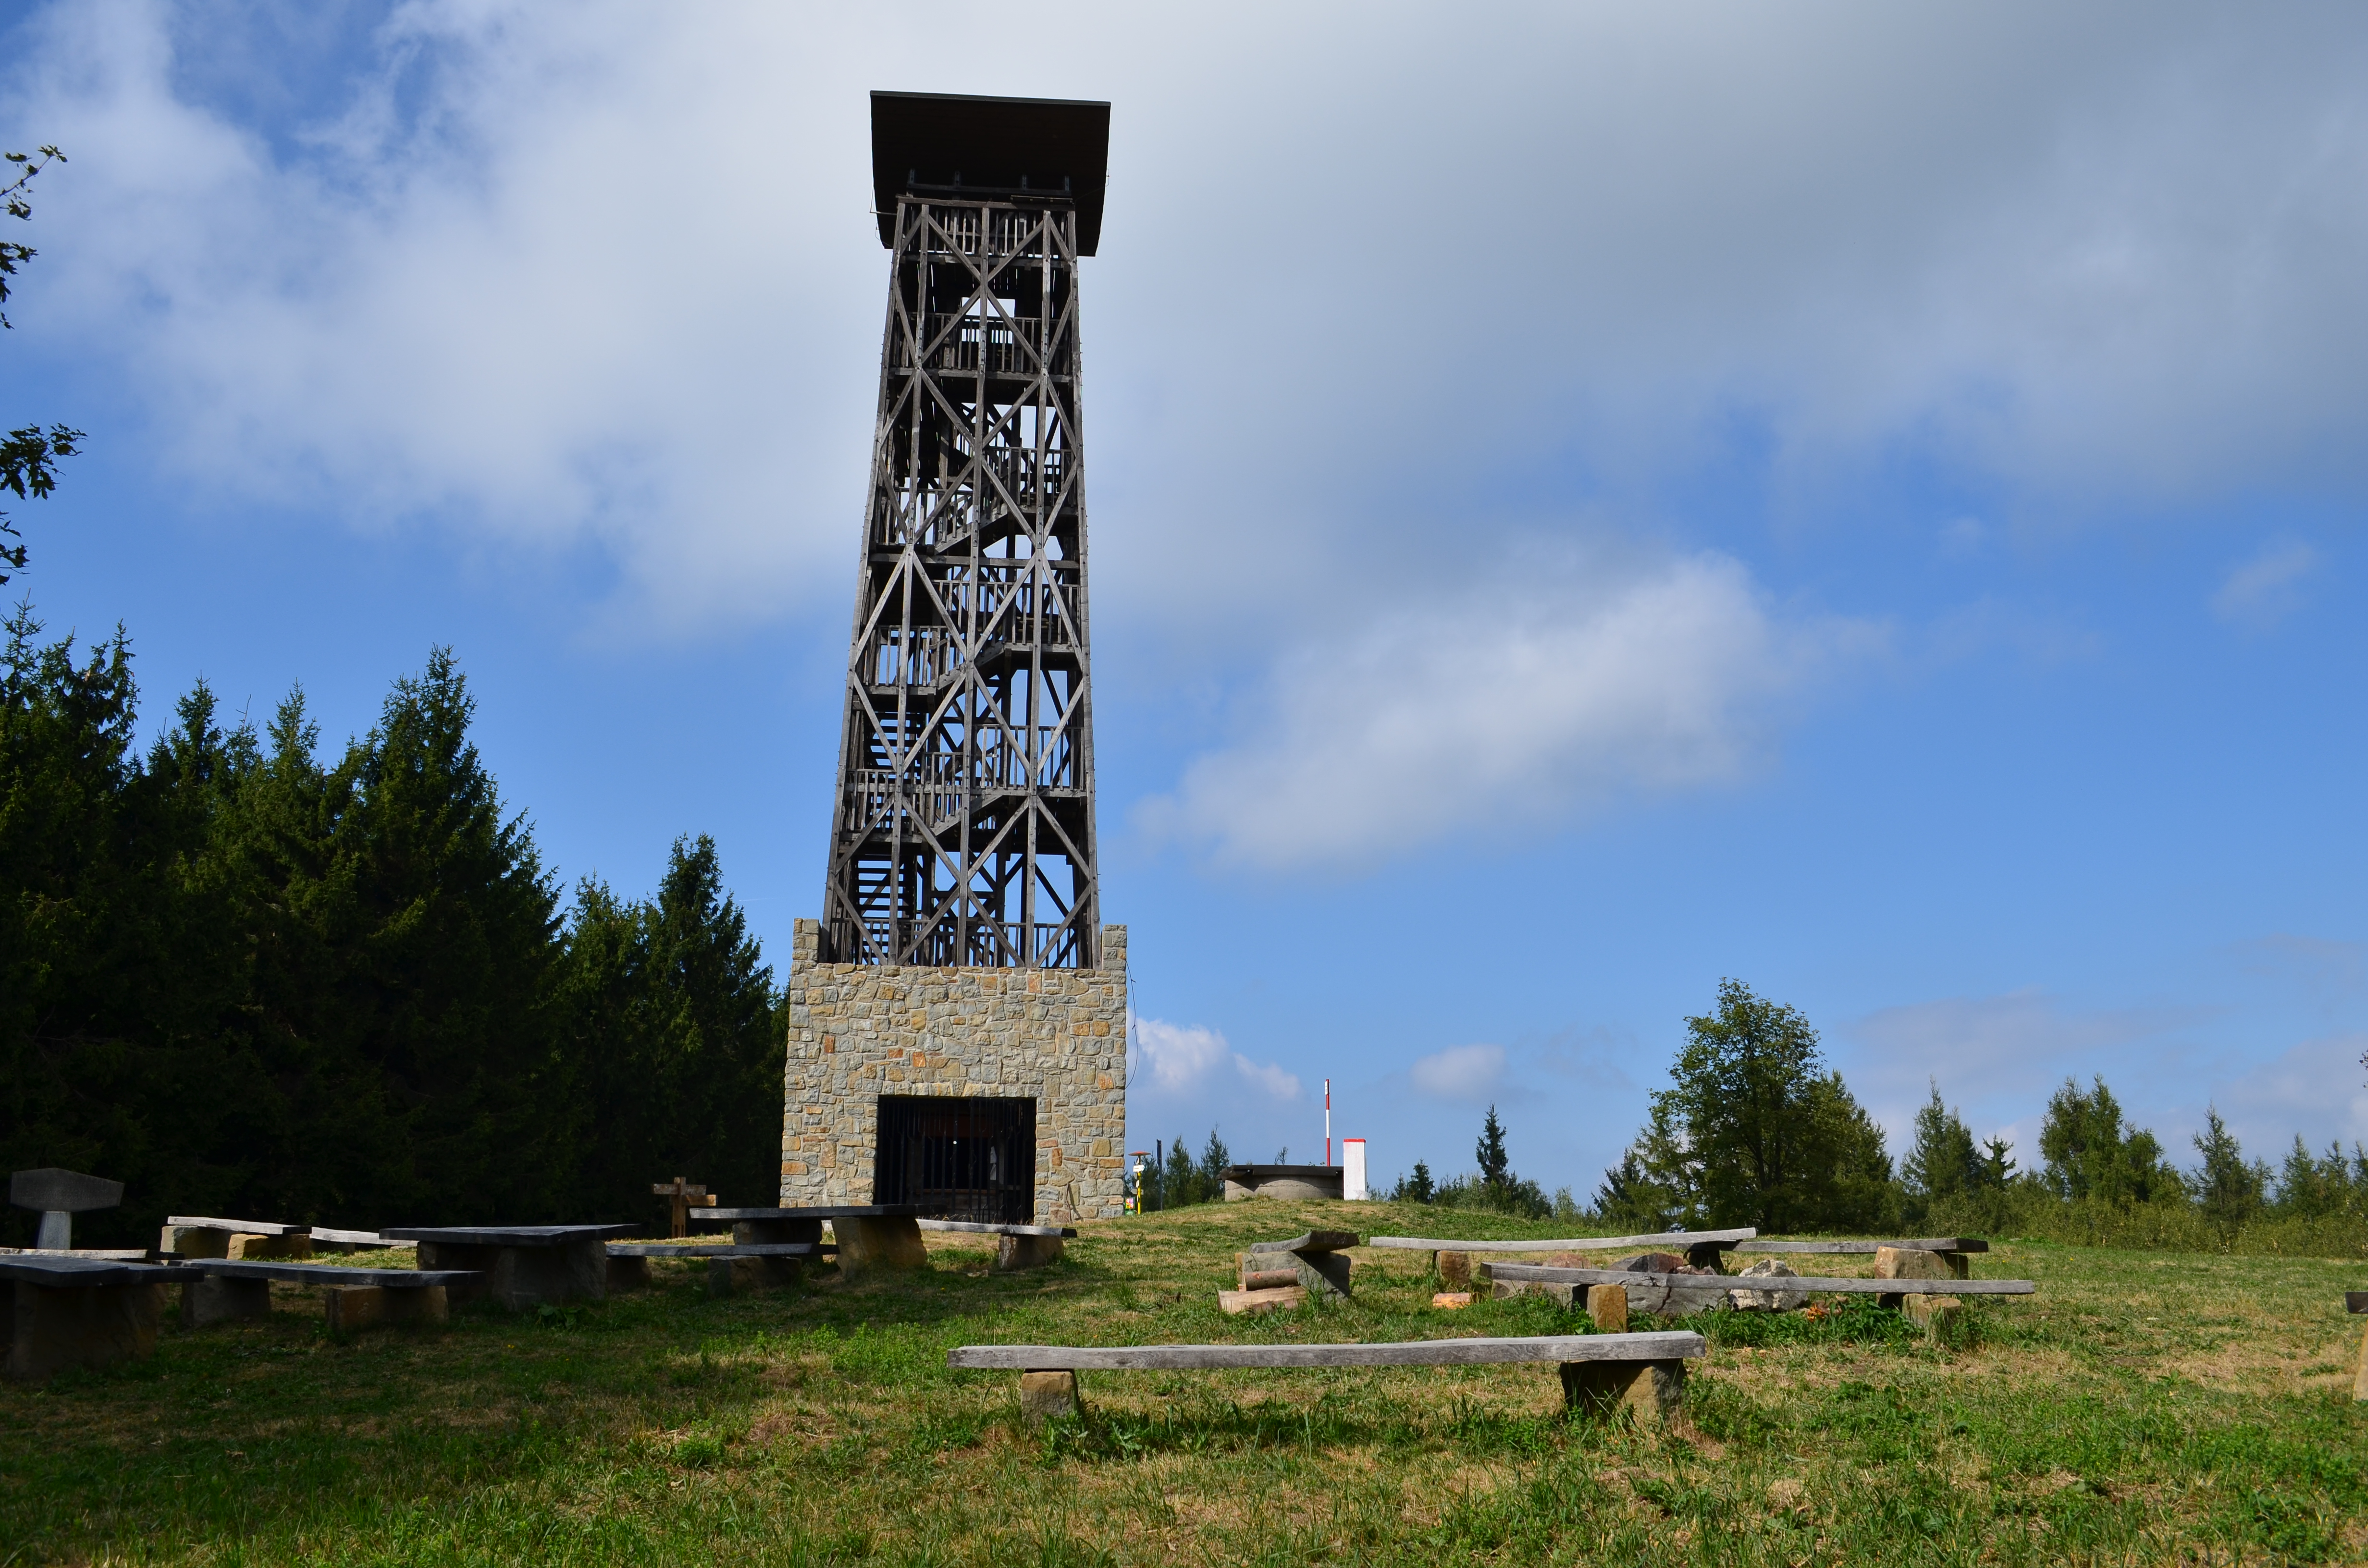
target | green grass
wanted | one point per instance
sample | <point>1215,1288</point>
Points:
<point>2144,1407</point>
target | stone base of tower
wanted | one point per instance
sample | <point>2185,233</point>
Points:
<point>971,1075</point>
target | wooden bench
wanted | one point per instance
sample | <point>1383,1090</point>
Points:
<point>1286,1273</point>
<point>1602,1373</point>
<point>1951,1250</point>
<point>58,1196</point>
<point>202,1236</point>
<point>1017,1246</point>
<point>1679,1293</point>
<point>1451,1260</point>
<point>870,1235</point>
<point>524,1266</point>
<point>60,1311</point>
<point>227,1289</point>
<point>732,1267</point>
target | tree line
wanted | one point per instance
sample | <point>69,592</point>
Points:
<point>1755,1127</point>
<point>248,976</point>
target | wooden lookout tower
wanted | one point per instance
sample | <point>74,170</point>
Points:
<point>958,1015</point>
<point>964,828</point>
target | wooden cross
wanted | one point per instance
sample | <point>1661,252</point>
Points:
<point>681,1194</point>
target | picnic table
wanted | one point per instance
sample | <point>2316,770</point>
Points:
<point>870,1235</point>
<point>58,1310</point>
<point>58,1196</point>
<point>524,1266</point>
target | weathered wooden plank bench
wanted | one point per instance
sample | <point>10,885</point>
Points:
<point>1951,1250</point>
<point>1600,1372</point>
<point>732,1267</point>
<point>524,1266</point>
<point>870,1235</point>
<point>58,1196</point>
<point>1679,1293</point>
<point>227,1289</point>
<point>60,1310</point>
<point>328,1238</point>
<point>1017,1246</point>
<point>1451,1260</point>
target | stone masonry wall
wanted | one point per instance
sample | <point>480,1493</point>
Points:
<point>857,1032</point>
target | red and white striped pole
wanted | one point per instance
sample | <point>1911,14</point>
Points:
<point>1327,1123</point>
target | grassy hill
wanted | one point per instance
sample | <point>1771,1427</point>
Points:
<point>2144,1407</point>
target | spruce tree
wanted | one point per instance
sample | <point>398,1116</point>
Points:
<point>1490,1153</point>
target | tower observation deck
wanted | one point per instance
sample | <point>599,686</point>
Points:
<point>963,831</point>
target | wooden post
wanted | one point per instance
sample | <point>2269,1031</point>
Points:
<point>680,1195</point>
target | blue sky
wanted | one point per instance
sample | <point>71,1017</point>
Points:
<point>1585,502</point>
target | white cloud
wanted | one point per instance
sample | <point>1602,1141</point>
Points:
<point>2266,589</point>
<point>554,275</point>
<point>1527,703</point>
<point>1190,1061</point>
<point>1467,1073</point>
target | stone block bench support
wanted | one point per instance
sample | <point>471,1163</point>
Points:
<point>59,1311</point>
<point>1602,1373</point>
<point>524,1267</point>
<point>228,1288</point>
<point>872,1237</point>
<point>1017,1246</point>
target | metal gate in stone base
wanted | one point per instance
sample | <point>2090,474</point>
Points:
<point>963,1158</point>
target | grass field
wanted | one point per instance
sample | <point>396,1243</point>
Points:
<point>2143,1407</point>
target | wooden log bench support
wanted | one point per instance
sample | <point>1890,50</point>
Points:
<point>203,1236</point>
<point>523,1266</point>
<point>59,1311</point>
<point>1451,1260</point>
<point>227,1289</point>
<point>1015,1247</point>
<point>732,1268</point>
<point>1603,1374</point>
<point>872,1237</point>
<point>1313,1261</point>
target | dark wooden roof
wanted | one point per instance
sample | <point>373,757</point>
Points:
<point>934,141</point>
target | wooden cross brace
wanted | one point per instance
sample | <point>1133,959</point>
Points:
<point>680,1195</point>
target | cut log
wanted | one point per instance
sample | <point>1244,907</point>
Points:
<point>1236,1303</point>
